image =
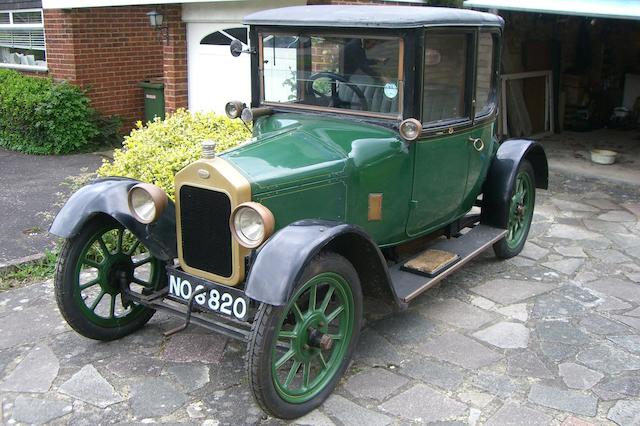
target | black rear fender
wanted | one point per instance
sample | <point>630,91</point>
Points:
<point>279,264</point>
<point>502,173</point>
<point>108,196</point>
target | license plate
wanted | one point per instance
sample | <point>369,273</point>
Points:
<point>217,298</point>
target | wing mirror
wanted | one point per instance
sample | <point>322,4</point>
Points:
<point>236,48</point>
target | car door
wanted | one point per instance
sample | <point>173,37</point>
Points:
<point>485,103</point>
<point>441,155</point>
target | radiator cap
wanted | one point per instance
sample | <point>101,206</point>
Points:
<point>208,149</point>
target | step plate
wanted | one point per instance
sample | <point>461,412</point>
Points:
<point>431,262</point>
<point>409,285</point>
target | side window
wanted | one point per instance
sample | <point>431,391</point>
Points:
<point>445,76</point>
<point>485,75</point>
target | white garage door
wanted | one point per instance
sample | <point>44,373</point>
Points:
<point>216,77</point>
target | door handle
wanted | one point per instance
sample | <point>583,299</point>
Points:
<point>477,143</point>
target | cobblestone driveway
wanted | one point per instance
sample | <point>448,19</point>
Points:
<point>550,337</point>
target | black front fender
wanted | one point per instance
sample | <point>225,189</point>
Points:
<point>109,196</point>
<point>278,264</point>
<point>502,174</point>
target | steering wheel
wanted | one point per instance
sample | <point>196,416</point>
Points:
<point>334,99</point>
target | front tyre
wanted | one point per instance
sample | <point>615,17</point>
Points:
<point>520,211</point>
<point>298,352</point>
<point>91,270</point>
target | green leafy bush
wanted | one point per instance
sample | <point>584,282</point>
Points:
<point>40,116</point>
<point>156,152</point>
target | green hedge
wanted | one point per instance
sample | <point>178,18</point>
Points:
<point>39,116</point>
<point>156,152</point>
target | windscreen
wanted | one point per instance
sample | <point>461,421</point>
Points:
<point>355,73</point>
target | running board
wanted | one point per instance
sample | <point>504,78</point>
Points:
<point>409,285</point>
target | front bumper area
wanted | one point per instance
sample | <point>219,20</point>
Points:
<point>191,312</point>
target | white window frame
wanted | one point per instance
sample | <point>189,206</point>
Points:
<point>13,26</point>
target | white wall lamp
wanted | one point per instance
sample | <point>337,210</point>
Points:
<point>156,19</point>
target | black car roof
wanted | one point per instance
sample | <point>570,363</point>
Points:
<point>357,16</point>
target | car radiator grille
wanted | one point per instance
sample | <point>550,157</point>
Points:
<point>206,237</point>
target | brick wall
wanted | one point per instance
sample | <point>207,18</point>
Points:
<point>175,61</point>
<point>107,51</point>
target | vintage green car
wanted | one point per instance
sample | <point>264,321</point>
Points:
<point>373,169</point>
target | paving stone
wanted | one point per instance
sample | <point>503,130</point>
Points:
<point>565,266</point>
<point>625,413</point>
<point>375,350</point>
<point>561,332</point>
<point>575,421</point>
<point>132,365</point>
<point>579,377</point>
<point>196,410</point>
<point>608,359</point>
<point>579,294</point>
<point>527,364</point>
<point>632,207</point>
<point>405,327</point>
<point>630,321</point>
<point>352,414</point>
<point>458,314</point>
<point>556,305</point>
<point>518,312</point>
<point>374,383</point>
<point>570,251</point>
<point>617,216</point>
<point>533,251</point>
<point>603,204</point>
<point>482,303</point>
<point>187,347</point>
<point>433,373</point>
<point>496,384</point>
<point>633,251</point>
<point>609,256</point>
<point>34,374</point>
<point>88,385</point>
<point>479,399</point>
<point>314,418</point>
<point>633,313</point>
<point>621,387</point>
<point>564,205</point>
<point>460,350</point>
<point>232,406</point>
<point>189,376</point>
<point>411,404</point>
<point>506,335</point>
<point>624,240</point>
<point>507,292</point>
<point>570,232</point>
<point>599,325</point>
<point>630,343</point>
<point>624,290</point>
<point>604,227</point>
<point>565,400</point>
<point>557,351</point>
<point>38,411</point>
<point>155,397</point>
<point>31,325</point>
<point>633,276</point>
<point>511,414</point>
<point>610,303</point>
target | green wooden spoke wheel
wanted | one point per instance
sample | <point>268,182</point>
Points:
<point>520,212</point>
<point>92,270</point>
<point>298,352</point>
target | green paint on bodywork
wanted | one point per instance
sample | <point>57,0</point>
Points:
<point>310,166</point>
<point>306,166</point>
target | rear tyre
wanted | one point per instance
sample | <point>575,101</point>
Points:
<point>520,213</point>
<point>298,352</point>
<point>89,274</point>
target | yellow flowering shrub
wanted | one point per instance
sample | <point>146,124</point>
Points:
<point>156,152</point>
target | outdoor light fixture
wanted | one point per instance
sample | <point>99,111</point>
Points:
<point>156,19</point>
